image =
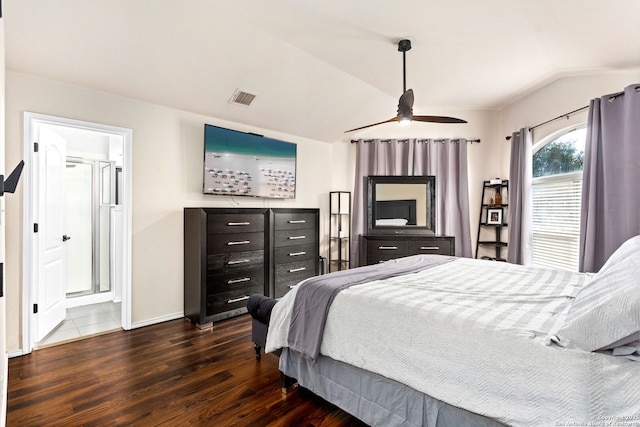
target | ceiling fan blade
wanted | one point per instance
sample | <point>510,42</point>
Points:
<point>395,119</point>
<point>438,119</point>
<point>405,104</point>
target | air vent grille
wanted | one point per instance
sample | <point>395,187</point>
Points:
<point>242,98</point>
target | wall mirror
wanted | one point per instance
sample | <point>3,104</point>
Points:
<point>401,204</point>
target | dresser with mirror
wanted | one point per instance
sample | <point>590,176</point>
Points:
<point>401,219</point>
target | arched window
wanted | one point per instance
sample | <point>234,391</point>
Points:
<point>557,187</point>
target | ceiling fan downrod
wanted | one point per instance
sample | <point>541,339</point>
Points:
<point>404,46</point>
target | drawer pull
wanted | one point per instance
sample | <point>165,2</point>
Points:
<point>297,221</point>
<point>387,248</point>
<point>296,237</point>
<point>232,300</point>
<point>429,248</point>
<point>238,261</point>
<point>295,270</point>
<point>239,223</point>
<point>242,242</point>
<point>297,253</point>
<point>233,281</point>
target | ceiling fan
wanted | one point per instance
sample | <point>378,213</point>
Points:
<point>405,104</point>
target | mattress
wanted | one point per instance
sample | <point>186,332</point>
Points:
<point>477,335</point>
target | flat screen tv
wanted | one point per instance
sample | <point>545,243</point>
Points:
<point>245,164</point>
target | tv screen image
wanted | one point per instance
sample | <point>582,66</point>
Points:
<point>245,164</point>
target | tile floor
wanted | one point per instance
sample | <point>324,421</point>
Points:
<point>85,321</point>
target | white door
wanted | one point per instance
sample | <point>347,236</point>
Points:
<point>51,269</point>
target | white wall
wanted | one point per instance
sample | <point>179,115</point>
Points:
<point>560,97</point>
<point>167,176</point>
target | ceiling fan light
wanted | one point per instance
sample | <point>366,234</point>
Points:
<point>404,115</point>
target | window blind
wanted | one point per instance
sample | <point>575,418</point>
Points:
<point>556,220</point>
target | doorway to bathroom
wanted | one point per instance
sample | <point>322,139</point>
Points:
<point>77,256</point>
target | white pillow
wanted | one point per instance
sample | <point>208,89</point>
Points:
<point>628,248</point>
<point>607,309</point>
<point>392,221</point>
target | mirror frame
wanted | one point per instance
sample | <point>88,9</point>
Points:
<point>428,180</point>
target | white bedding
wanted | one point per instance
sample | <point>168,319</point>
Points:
<point>476,334</point>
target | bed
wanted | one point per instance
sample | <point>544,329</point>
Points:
<point>388,211</point>
<point>442,341</point>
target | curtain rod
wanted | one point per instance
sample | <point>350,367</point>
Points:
<point>353,141</point>
<point>554,119</point>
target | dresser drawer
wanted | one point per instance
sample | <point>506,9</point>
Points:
<point>295,271</point>
<point>430,246</point>
<point>235,223</point>
<point>235,242</point>
<point>375,259</point>
<point>282,287</point>
<point>295,237</point>
<point>222,262</point>
<point>295,220</point>
<point>235,279</point>
<point>295,253</point>
<point>384,249</point>
<point>292,273</point>
<point>230,300</point>
<point>390,247</point>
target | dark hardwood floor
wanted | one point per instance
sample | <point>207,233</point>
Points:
<point>170,374</point>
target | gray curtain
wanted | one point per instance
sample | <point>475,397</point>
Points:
<point>520,249</point>
<point>611,177</point>
<point>445,159</point>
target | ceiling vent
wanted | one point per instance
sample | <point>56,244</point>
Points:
<point>242,98</point>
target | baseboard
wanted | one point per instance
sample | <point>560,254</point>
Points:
<point>19,352</point>
<point>15,353</point>
<point>157,320</point>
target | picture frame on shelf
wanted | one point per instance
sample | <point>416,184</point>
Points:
<point>494,216</point>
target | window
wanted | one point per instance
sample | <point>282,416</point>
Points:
<point>557,192</point>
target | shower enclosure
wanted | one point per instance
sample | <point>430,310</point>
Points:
<point>89,200</point>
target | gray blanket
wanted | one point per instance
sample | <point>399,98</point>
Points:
<point>314,297</point>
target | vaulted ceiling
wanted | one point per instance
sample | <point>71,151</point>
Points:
<point>318,68</point>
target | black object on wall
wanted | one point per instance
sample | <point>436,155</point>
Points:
<point>9,186</point>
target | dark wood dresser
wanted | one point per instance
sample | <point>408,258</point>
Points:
<point>377,248</point>
<point>225,261</point>
<point>233,253</point>
<point>295,241</point>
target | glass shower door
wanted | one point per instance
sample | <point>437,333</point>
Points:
<point>79,227</point>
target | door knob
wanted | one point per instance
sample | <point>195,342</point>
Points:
<point>65,238</point>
